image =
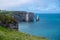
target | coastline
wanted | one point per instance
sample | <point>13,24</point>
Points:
<point>8,34</point>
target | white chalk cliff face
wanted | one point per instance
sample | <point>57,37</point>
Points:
<point>27,15</point>
<point>23,16</point>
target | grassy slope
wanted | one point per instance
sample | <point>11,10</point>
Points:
<point>8,34</point>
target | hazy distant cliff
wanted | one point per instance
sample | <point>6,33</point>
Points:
<point>23,16</point>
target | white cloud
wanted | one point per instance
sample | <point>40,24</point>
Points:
<point>52,6</point>
<point>10,3</point>
<point>30,5</point>
<point>48,8</point>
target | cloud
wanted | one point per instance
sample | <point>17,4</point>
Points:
<point>31,5</point>
<point>47,6</point>
<point>4,4</point>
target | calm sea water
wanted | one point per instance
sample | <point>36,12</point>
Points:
<point>48,26</point>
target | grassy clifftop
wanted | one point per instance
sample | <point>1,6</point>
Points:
<point>8,34</point>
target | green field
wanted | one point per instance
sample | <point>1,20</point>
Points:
<point>8,34</point>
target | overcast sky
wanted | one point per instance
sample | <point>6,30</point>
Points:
<point>40,6</point>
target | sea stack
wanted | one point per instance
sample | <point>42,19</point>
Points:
<point>37,18</point>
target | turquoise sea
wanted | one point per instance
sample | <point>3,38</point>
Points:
<point>48,26</point>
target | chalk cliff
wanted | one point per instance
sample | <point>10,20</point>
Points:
<point>23,16</point>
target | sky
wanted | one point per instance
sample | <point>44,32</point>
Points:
<point>37,6</point>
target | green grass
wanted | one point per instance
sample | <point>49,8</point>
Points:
<point>8,34</point>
